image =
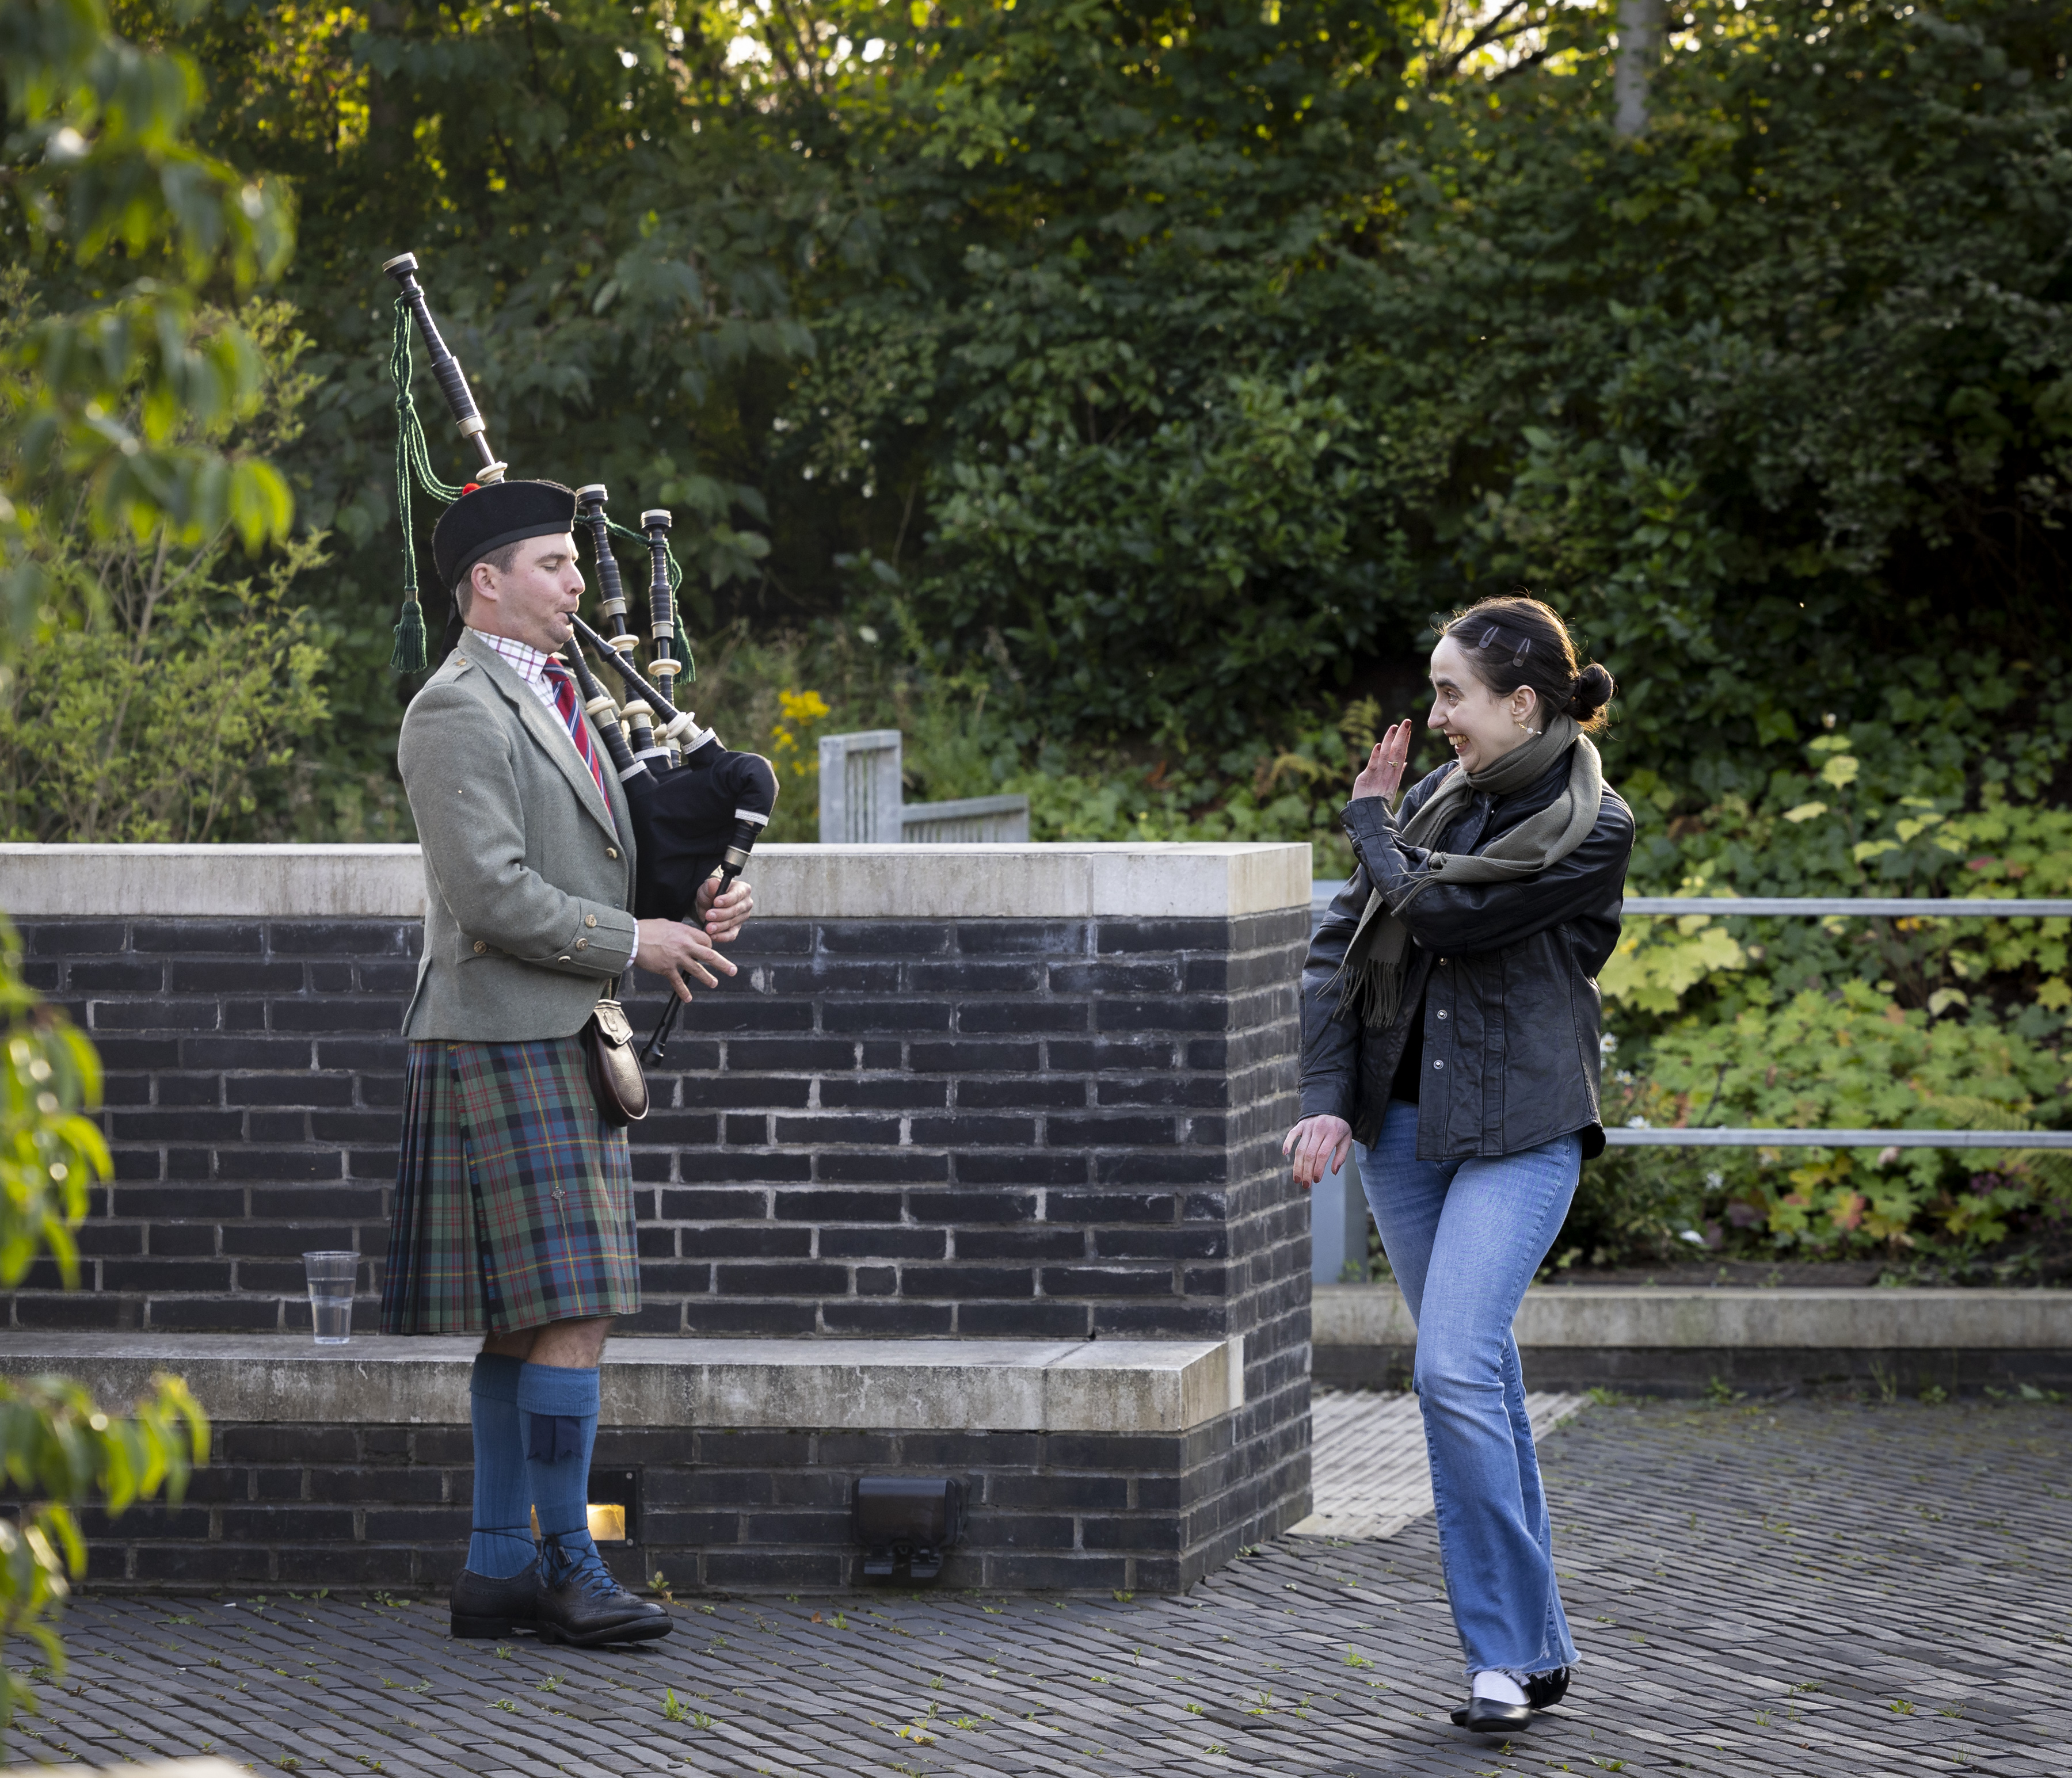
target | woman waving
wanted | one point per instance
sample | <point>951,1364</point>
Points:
<point>1450,1026</point>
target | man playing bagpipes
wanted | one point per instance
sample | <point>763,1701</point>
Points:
<point>513,1214</point>
<point>555,856</point>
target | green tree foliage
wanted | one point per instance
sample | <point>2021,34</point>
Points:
<point>122,216</point>
<point>611,228</point>
<point>58,1446</point>
<point>110,394</point>
<point>1177,362</point>
<point>165,694</point>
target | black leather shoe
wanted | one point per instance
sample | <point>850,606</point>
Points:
<point>487,1606</point>
<point>1492,1716</point>
<point>589,1609</point>
<point>1544,1690</point>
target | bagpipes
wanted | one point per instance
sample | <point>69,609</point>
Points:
<point>696,806</point>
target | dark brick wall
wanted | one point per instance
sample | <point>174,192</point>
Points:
<point>1041,1128</point>
<point>997,1128</point>
<point>388,1506</point>
<point>1061,1129</point>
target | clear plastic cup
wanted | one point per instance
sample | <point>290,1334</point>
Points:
<point>330,1278</point>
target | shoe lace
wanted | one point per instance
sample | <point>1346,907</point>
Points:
<point>567,1556</point>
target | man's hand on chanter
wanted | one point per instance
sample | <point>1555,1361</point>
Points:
<point>673,949</point>
<point>1320,1145</point>
<point>724,915</point>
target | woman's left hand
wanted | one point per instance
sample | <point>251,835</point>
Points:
<point>1383,770</point>
<point>1318,1145</point>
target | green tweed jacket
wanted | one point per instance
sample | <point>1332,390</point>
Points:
<point>528,886</point>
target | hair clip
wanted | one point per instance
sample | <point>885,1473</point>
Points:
<point>1524,648</point>
<point>1489,636</point>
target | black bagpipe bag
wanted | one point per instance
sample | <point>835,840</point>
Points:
<point>685,821</point>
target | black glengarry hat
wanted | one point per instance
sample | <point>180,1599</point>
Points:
<point>489,516</point>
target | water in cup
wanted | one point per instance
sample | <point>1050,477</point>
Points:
<point>330,1278</point>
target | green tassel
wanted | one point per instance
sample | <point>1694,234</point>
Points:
<point>409,655</point>
<point>683,649</point>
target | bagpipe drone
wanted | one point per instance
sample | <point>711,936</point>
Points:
<point>696,806</point>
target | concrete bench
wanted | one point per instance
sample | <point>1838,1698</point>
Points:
<point>1678,1339</point>
<point>1087,1464</point>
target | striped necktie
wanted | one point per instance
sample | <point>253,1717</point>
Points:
<point>570,707</point>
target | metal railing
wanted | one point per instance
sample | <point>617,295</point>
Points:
<point>861,806</point>
<point>1940,907</point>
<point>1976,907</point>
<point>983,820</point>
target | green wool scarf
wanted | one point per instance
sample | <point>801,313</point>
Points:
<point>1372,972</point>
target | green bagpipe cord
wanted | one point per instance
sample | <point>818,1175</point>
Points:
<point>413,462</point>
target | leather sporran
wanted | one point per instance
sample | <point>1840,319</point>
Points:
<point>613,1065</point>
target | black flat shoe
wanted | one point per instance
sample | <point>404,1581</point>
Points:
<point>1493,1716</point>
<point>589,1609</point>
<point>486,1607</point>
<point>1544,1690</point>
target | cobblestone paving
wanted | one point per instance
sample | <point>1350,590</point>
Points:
<point>1856,1589</point>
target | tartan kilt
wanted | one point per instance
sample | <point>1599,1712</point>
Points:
<point>514,1199</point>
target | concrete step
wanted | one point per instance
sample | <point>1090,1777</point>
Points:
<point>995,1385</point>
<point>1679,1339</point>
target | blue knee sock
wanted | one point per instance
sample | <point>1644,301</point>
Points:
<point>502,1545</point>
<point>560,1410</point>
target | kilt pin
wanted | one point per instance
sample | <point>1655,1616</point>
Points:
<point>514,1199</point>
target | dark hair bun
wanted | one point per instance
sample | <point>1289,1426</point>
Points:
<point>1594,688</point>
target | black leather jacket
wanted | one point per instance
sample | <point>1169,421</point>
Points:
<point>1507,973</point>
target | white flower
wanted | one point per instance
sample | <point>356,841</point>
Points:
<point>1636,1123</point>
<point>1608,1045</point>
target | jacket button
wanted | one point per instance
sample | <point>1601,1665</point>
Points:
<point>564,959</point>
<point>1442,1012</point>
<point>582,944</point>
<point>1435,1064</point>
<point>590,919</point>
<point>611,851</point>
<point>479,947</point>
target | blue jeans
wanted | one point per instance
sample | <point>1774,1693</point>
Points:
<point>1464,1239</point>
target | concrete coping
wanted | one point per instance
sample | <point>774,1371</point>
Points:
<point>905,1385</point>
<point>1165,881</point>
<point>1654,1316</point>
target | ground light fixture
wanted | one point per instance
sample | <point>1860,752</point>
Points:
<point>907,1519</point>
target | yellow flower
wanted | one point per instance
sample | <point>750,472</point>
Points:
<point>802,707</point>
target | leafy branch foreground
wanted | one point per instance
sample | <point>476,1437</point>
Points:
<point>58,1448</point>
<point>117,405</point>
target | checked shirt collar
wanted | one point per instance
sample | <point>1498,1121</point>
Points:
<point>530,665</point>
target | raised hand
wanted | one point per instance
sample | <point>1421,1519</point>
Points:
<point>1383,770</point>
